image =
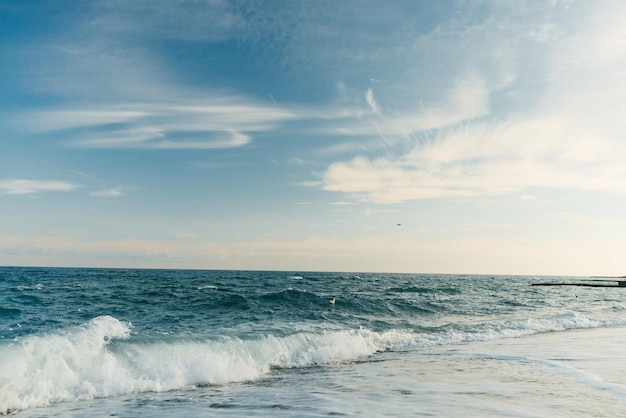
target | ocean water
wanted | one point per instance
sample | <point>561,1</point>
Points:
<point>171,343</point>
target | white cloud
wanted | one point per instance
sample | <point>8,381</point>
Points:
<point>467,100</point>
<point>206,124</point>
<point>566,133</point>
<point>154,138</point>
<point>139,109</point>
<point>29,187</point>
<point>488,159</point>
<point>108,192</point>
<point>228,139</point>
<point>369,97</point>
<point>601,42</point>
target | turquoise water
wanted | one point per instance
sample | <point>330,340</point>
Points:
<point>101,342</point>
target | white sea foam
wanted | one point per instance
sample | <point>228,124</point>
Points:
<point>96,360</point>
<point>99,360</point>
<point>509,329</point>
<point>38,286</point>
<point>207,286</point>
<point>58,367</point>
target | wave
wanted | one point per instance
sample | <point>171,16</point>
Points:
<point>66,366</point>
<point>456,334</point>
<point>100,359</point>
<point>291,297</point>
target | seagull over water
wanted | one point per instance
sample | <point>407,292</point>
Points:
<point>332,301</point>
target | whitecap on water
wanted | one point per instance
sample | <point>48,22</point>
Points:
<point>207,286</point>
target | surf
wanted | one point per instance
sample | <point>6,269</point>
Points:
<point>100,359</point>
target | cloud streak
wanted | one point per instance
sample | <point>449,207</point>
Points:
<point>369,97</point>
<point>484,159</point>
<point>31,187</point>
<point>115,192</point>
<point>224,122</point>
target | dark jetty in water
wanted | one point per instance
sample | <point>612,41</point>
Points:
<point>596,281</point>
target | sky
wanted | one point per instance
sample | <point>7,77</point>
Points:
<point>441,136</point>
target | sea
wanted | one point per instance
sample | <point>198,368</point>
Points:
<point>79,342</point>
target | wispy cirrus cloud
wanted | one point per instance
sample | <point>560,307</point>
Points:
<point>118,91</point>
<point>115,192</point>
<point>369,97</point>
<point>565,138</point>
<point>140,103</point>
<point>371,128</point>
<point>486,159</point>
<point>468,99</point>
<point>31,187</point>
<point>222,122</point>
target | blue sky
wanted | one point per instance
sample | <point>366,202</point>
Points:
<point>404,136</point>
